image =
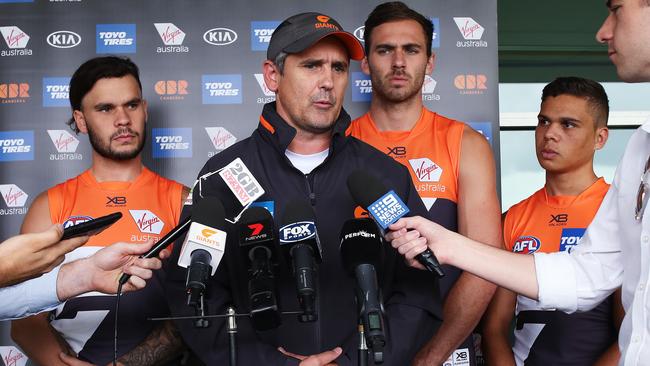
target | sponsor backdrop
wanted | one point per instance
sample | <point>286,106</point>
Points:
<point>200,69</point>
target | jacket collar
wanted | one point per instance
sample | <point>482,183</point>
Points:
<point>282,133</point>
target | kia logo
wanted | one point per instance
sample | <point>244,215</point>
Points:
<point>63,39</point>
<point>359,33</point>
<point>220,36</point>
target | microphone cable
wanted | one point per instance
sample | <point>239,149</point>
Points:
<point>117,311</point>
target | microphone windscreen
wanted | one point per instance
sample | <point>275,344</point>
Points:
<point>297,210</point>
<point>209,211</point>
<point>365,188</point>
<point>360,243</point>
<point>255,214</point>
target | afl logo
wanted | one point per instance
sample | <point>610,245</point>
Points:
<point>63,39</point>
<point>75,220</point>
<point>526,245</point>
<point>220,36</point>
<point>359,33</point>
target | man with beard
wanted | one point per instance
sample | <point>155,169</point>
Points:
<point>450,163</point>
<point>107,104</point>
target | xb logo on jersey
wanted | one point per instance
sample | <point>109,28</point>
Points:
<point>527,244</point>
<point>396,151</point>
<point>558,220</point>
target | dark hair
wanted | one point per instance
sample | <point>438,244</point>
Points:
<point>97,68</point>
<point>391,12</point>
<point>591,90</point>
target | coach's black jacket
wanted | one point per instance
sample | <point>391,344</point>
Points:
<point>408,293</point>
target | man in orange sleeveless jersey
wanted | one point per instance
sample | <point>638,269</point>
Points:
<point>572,125</point>
<point>107,104</point>
<point>451,164</point>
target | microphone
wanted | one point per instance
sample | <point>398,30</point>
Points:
<point>257,247</point>
<point>361,254</point>
<point>163,243</point>
<point>203,247</point>
<point>385,207</point>
<point>301,246</point>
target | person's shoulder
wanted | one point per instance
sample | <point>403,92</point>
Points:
<point>370,154</point>
<point>358,124</point>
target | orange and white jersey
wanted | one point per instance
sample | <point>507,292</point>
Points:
<point>150,207</point>
<point>547,224</point>
<point>543,223</point>
<point>430,151</point>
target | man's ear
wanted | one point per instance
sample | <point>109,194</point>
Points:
<point>80,120</point>
<point>271,75</point>
<point>364,66</point>
<point>602,134</point>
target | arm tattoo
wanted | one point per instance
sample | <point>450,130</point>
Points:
<point>162,345</point>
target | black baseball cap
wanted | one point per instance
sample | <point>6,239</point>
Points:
<point>301,31</point>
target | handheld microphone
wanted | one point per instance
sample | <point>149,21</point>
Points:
<point>203,247</point>
<point>301,246</point>
<point>385,207</point>
<point>362,254</point>
<point>163,243</point>
<point>257,247</point>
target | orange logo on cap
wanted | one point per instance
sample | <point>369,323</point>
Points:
<point>323,18</point>
<point>208,232</point>
<point>360,213</point>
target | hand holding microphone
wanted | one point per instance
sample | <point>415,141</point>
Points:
<point>414,235</point>
<point>386,208</point>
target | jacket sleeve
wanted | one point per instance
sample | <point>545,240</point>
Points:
<point>29,297</point>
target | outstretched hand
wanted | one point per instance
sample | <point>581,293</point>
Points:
<point>102,270</point>
<point>109,263</point>
<point>30,255</point>
<point>413,235</point>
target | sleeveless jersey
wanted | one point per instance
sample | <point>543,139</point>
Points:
<point>151,207</point>
<point>431,152</point>
<point>543,223</point>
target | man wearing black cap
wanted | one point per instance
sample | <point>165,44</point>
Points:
<point>300,151</point>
